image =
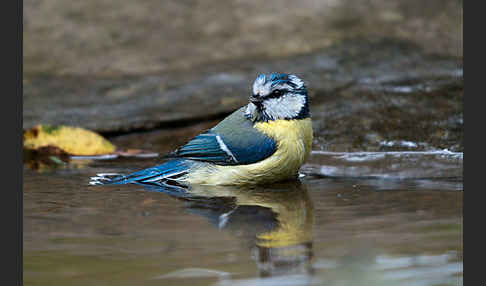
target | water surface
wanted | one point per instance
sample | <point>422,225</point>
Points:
<point>351,229</point>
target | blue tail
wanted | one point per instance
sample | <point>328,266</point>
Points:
<point>170,170</point>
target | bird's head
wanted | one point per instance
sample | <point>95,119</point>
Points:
<point>278,96</point>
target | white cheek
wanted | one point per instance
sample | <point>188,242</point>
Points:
<point>284,107</point>
<point>296,105</point>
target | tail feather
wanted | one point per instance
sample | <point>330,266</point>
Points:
<point>169,170</point>
<point>106,179</point>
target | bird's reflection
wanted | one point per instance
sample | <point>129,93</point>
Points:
<point>274,221</point>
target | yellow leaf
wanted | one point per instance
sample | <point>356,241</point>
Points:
<point>72,140</point>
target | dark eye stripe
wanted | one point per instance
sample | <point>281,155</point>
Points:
<point>276,93</point>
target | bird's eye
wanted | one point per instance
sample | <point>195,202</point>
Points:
<point>276,93</point>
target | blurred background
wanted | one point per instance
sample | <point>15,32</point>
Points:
<point>112,37</point>
<point>380,73</point>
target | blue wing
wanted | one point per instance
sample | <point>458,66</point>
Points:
<point>206,147</point>
<point>233,141</point>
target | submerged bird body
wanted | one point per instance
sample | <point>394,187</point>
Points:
<point>266,141</point>
<point>288,141</point>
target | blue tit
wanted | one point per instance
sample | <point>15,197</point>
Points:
<point>265,141</point>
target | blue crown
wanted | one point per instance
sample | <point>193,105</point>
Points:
<point>276,79</point>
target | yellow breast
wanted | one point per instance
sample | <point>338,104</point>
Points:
<point>294,142</point>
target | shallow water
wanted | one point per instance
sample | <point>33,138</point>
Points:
<point>343,230</point>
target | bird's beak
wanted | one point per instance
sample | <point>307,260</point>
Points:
<point>255,99</point>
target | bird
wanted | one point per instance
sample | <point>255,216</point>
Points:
<point>264,142</point>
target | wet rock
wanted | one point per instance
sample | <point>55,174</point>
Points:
<point>362,93</point>
<point>129,103</point>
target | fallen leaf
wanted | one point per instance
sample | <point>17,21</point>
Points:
<point>72,140</point>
